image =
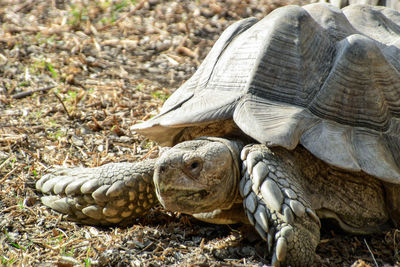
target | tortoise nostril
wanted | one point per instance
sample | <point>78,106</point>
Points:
<point>163,169</point>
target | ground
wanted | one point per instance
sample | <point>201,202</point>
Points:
<point>74,76</point>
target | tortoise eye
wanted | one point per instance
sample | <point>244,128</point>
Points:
<point>194,165</point>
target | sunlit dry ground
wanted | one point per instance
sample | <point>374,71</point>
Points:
<point>74,75</point>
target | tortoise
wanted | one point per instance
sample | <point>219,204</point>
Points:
<point>288,120</point>
<point>394,4</point>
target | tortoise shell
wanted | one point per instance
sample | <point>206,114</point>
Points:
<point>325,78</point>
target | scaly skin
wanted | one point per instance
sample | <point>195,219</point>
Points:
<point>276,205</point>
<point>115,193</point>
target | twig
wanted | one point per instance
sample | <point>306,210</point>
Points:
<point>31,92</point>
<point>372,254</point>
<point>62,103</point>
<point>27,4</point>
<point>146,247</point>
<point>148,154</point>
<point>12,138</point>
<point>16,207</point>
<point>8,174</point>
<point>4,162</point>
<point>34,29</point>
<point>136,8</point>
<point>185,51</point>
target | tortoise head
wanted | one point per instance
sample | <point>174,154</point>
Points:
<point>198,176</point>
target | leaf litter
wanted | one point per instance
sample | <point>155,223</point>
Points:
<point>74,76</point>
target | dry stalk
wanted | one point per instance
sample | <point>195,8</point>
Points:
<point>62,103</point>
<point>372,254</point>
<point>31,92</point>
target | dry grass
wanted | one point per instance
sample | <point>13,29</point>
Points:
<point>74,75</point>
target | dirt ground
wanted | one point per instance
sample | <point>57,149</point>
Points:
<point>74,76</point>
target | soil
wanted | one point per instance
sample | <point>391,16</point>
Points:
<point>74,76</point>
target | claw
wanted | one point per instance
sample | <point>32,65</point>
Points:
<point>261,218</point>
<point>75,186</point>
<point>287,214</point>
<point>260,171</point>
<point>261,232</point>
<point>313,216</point>
<point>252,159</point>
<point>90,186</point>
<point>48,186</point>
<point>288,233</point>
<point>59,187</point>
<point>100,193</point>
<point>93,211</point>
<point>281,249</point>
<point>272,194</point>
<point>56,203</point>
<point>110,211</point>
<point>42,181</point>
<point>251,218</point>
<point>244,153</point>
<point>115,189</point>
<point>297,208</point>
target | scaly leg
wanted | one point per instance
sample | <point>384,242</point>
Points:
<point>114,193</point>
<point>277,206</point>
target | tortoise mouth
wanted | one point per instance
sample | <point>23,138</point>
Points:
<point>195,194</point>
<point>185,194</point>
<point>185,200</point>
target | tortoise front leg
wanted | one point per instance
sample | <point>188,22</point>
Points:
<point>114,193</point>
<point>276,205</point>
